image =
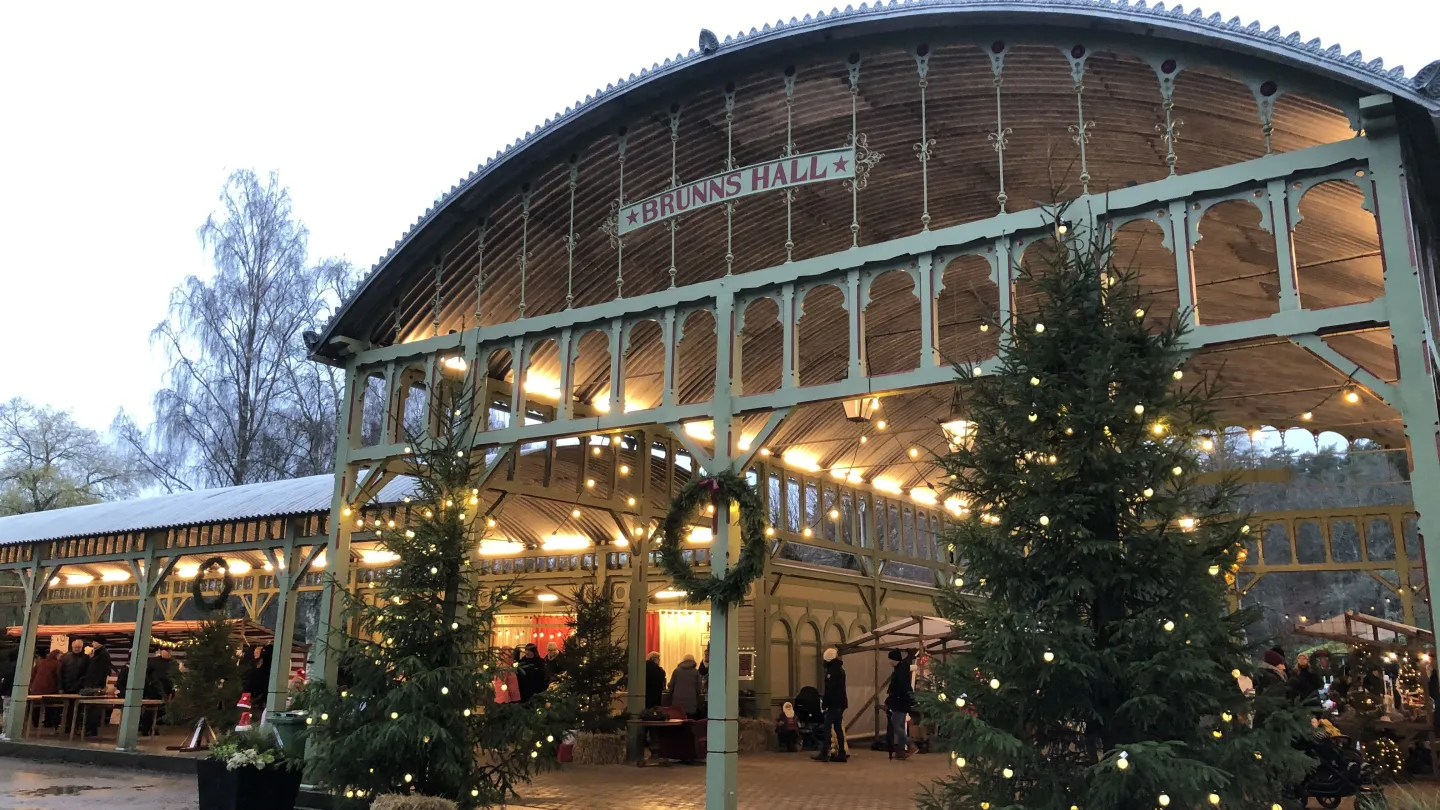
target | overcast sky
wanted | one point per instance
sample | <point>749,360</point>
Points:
<point>120,121</point>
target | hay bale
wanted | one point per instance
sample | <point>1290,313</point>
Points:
<point>598,749</point>
<point>396,801</point>
<point>757,736</point>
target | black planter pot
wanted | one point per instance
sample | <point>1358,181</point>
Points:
<point>247,788</point>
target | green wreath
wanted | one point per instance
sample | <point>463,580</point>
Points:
<point>227,584</point>
<point>720,490</point>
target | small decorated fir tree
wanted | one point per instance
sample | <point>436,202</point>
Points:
<point>1102,664</point>
<point>416,711</point>
<point>592,665</point>
<point>208,685</point>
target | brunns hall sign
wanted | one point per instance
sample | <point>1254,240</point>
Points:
<point>787,172</point>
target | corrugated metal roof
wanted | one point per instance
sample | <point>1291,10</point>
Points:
<point>297,496</point>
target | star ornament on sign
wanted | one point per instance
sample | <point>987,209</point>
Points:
<point>841,163</point>
<point>634,215</point>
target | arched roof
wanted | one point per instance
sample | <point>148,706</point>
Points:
<point>653,87</point>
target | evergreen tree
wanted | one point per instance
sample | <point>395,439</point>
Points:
<point>1102,663</point>
<point>416,711</point>
<point>209,685</point>
<point>592,665</point>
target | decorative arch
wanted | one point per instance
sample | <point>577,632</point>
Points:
<point>762,345</point>
<point>822,335</point>
<point>808,651</point>
<point>892,321</point>
<point>1233,260</point>
<point>782,664</point>
<point>590,367</point>
<point>1336,244</point>
<point>644,367</point>
<point>695,356</point>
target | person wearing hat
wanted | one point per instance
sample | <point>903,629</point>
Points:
<point>531,673</point>
<point>554,667</point>
<point>898,702</point>
<point>787,728</point>
<point>834,700</point>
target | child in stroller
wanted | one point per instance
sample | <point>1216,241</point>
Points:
<point>1340,771</point>
<point>808,717</point>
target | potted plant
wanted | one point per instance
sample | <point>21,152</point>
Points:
<point>246,770</point>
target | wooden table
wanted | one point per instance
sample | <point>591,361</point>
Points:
<point>42,702</point>
<point>672,739</point>
<point>109,704</point>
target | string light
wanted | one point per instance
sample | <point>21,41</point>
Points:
<point>1007,773</point>
<point>1178,374</point>
<point>1164,800</point>
<point>1039,327</point>
<point>1034,380</point>
<point>1148,492</point>
<point>1169,626</point>
<point>1049,657</point>
<point>1307,416</point>
<point>881,425</point>
<point>984,327</point>
<point>914,453</point>
<point>624,469</point>
<point>1139,409</point>
<point>1351,396</point>
<point>994,683</point>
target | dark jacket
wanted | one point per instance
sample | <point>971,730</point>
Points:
<point>654,684</point>
<point>685,687</point>
<point>531,674</point>
<point>45,679</point>
<point>162,673</point>
<point>834,695</point>
<point>901,696</point>
<point>1305,685</point>
<point>97,672</point>
<point>256,680</point>
<point>72,672</point>
<point>554,668</point>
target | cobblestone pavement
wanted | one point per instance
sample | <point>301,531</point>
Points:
<point>767,781</point>
<point>27,785</point>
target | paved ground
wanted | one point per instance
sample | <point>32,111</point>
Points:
<point>26,785</point>
<point>767,782</point>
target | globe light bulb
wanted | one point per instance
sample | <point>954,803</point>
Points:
<point>960,703</point>
<point>1049,656</point>
<point>1007,773</point>
<point>1034,380</point>
<point>1040,327</point>
<point>1123,764</point>
<point>1178,374</point>
<point>1034,416</point>
<point>959,762</point>
<point>1139,409</point>
<point>1148,492</point>
<point>1176,470</point>
<point>1164,800</point>
<point>994,683</point>
<point>1169,626</point>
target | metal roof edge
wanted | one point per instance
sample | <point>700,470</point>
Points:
<point>1423,89</point>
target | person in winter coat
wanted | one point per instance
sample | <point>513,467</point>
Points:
<point>72,668</point>
<point>8,669</point>
<point>834,700</point>
<point>256,679</point>
<point>1304,683</point>
<point>95,682</point>
<point>898,702</point>
<point>506,684</point>
<point>654,681</point>
<point>161,669</point>
<point>554,666</point>
<point>787,728</point>
<point>531,673</point>
<point>45,678</point>
<point>685,688</point>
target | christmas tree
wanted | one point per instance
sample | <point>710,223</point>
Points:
<point>209,683</point>
<point>1102,665</point>
<point>592,665</point>
<point>416,711</point>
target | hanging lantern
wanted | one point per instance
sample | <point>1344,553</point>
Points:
<point>959,431</point>
<point>860,410</point>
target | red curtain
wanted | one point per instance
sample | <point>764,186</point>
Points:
<point>652,633</point>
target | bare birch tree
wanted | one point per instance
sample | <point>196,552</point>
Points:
<point>242,401</point>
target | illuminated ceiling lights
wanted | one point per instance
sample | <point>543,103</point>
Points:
<point>499,546</point>
<point>700,534</point>
<point>799,459</point>
<point>542,386</point>
<point>670,594</point>
<point>115,576</point>
<point>889,485</point>
<point>546,597</point>
<point>455,363</point>
<point>569,542</point>
<point>924,495</point>
<point>702,429</point>
<point>79,579</point>
<point>239,567</point>
<point>860,410</point>
<point>378,557</point>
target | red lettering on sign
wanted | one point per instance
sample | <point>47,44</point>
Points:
<point>818,170</point>
<point>667,205</point>
<point>699,193</point>
<point>780,179</point>
<point>760,177</point>
<point>648,211</point>
<point>797,174</point>
<point>716,189</point>
<point>732,184</point>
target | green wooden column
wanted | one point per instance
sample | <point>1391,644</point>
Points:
<point>34,579</point>
<point>289,567</point>
<point>329,636</point>
<point>722,760</point>
<point>1404,298</point>
<point>149,573</point>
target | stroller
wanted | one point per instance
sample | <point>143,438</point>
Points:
<point>1340,772</point>
<point>808,717</point>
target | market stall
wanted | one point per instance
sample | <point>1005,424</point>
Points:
<point>868,666</point>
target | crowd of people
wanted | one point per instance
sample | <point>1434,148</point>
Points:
<point>86,670</point>
<point>524,673</point>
